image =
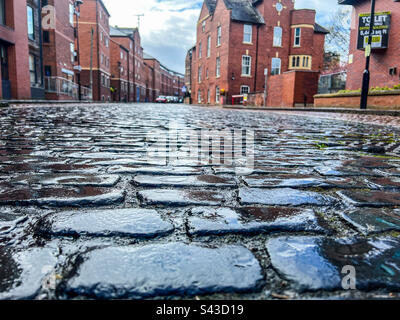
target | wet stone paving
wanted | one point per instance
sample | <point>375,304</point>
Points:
<point>172,201</point>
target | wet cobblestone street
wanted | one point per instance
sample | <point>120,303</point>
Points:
<point>89,209</point>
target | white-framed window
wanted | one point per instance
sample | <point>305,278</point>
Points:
<point>218,69</point>
<point>208,46</point>
<point>276,66</point>
<point>72,50</point>
<point>199,96</point>
<point>246,65</point>
<point>122,55</point>
<point>107,43</point>
<point>297,37</point>
<point>71,14</point>
<point>101,36</point>
<point>217,94</point>
<point>200,71</point>
<point>200,49</point>
<point>219,35</point>
<point>244,89</point>
<point>208,96</point>
<point>247,33</point>
<point>203,26</point>
<point>277,36</point>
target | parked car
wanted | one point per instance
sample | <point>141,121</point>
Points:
<point>161,99</point>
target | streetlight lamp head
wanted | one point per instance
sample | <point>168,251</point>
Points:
<point>78,3</point>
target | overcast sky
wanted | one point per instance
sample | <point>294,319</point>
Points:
<point>168,28</point>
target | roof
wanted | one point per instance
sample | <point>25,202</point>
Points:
<point>242,10</point>
<point>146,56</point>
<point>320,29</point>
<point>351,2</point>
<point>104,7</point>
<point>211,4</point>
<point>116,32</point>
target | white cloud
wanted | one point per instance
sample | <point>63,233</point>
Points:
<point>168,28</point>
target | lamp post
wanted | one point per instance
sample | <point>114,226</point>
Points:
<point>366,74</point>
<point>78,68</point>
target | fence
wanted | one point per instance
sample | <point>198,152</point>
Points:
<point>61,86</point>
<point>332,83</point>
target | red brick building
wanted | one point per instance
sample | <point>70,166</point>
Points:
<point>139,71</point>
<point>385,63</point>
<point>96,63</point>
<point>59,51</point>
<point>122,65</point>
<point>238,39</point>
<point>14,51</point>
<point>165,81</point>
<point>153,78</point>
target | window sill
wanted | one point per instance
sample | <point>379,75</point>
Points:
<point>246,76</point>
<point>218,46</point>
<point>277,46</point>
<point>248,43</point>
<point>296,46</point>
<point>217,77</point>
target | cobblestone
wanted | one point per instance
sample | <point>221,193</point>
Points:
<point>317,263</point>
<point>135,223</point>
<point>160,270</point>
<point>207,221</point>
<point>183,200</point>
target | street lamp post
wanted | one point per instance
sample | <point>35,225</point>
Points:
<point>77,5</point>
<point>366,74</point>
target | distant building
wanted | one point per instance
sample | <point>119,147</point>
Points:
<point>238,40</point>
<point>59,52</point>
<point>385,62</point>
<point>96,66</point>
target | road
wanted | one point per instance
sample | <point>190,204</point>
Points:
<point>143,201</point>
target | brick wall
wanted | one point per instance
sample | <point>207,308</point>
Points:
<point>15,33</point>
<point>57,55</point>
<point>381,60</point>
<point>95,16</point>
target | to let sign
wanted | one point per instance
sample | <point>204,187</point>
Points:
<point>380,34</point>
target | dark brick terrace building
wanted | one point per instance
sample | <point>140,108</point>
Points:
<point>238,39</point>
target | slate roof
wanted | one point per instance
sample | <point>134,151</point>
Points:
<point>146,56</point>
<point>211,4</point>
<point>115,32</point>
<point>320,29</point>
<point>351,2</point>
<point>242,10</point>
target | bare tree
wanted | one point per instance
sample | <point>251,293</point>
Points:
<point>338,40</point>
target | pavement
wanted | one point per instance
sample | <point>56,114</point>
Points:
<point>175,201</point>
